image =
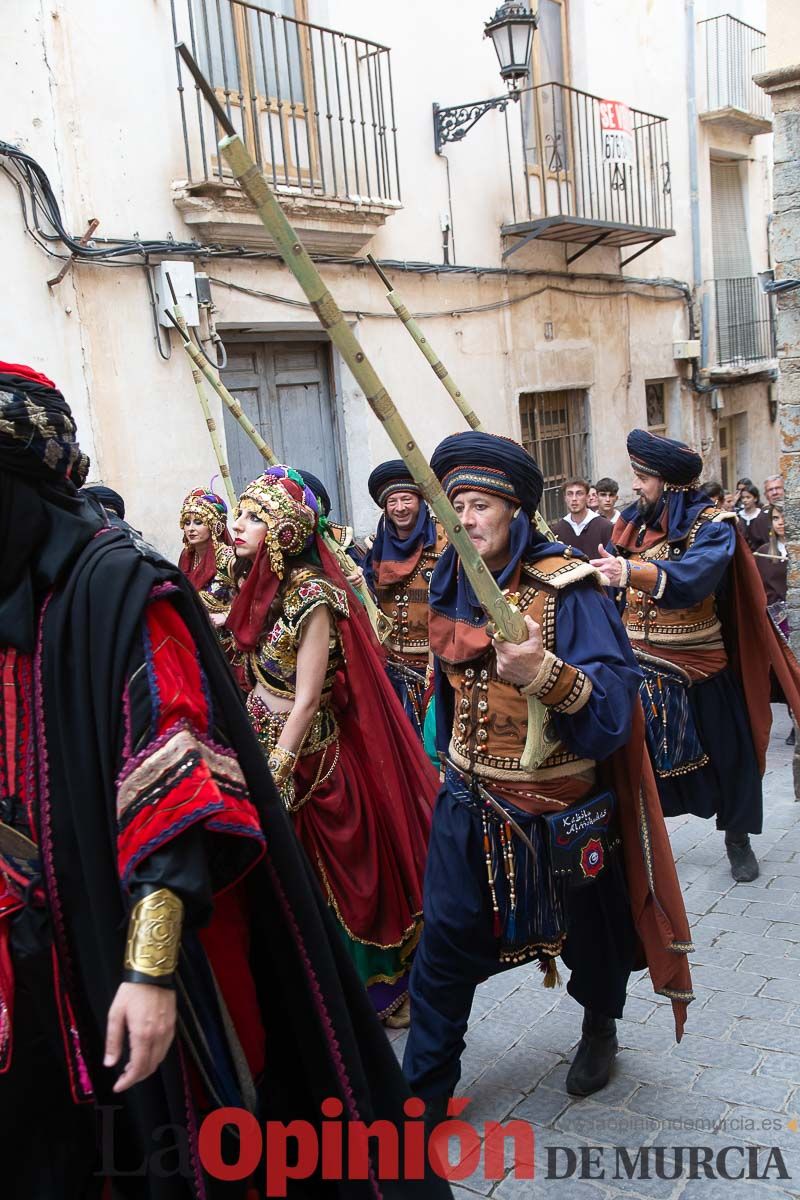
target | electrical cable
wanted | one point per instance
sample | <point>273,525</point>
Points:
<point>27,175</point>
<point>156,324</point>
<point>466,310</point>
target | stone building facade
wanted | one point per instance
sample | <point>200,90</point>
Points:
<point>584,259</point>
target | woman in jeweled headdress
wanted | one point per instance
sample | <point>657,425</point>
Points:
<point>207,556</point>
<point>345,759</point>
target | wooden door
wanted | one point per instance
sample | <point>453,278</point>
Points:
<point>284,388</point>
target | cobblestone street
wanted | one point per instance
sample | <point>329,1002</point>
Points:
<point>735,1077</point>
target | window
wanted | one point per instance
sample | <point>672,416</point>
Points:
<point>656,409</point>
<point>555,430</point>
<point>257,64</point>
<point>548,65</point>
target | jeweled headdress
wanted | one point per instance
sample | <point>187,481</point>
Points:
<point>207,507</point>
<point>288,508</point>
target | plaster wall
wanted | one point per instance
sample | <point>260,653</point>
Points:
<point>106,128</point>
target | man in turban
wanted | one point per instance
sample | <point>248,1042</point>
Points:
<point>547,837</point>
<point>398,569</point>
<point>164,949</point>
<point>693,605</point>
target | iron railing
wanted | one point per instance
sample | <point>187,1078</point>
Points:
<point>744,322</point>
<point>314,106</point>
<point>555,430</point>
<point>733,53</point>
<point>569,167</point>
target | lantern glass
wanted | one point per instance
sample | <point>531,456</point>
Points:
<point>511,30</point>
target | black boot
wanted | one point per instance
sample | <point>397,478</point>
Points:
<point>744,864</point>
<point>594,1058</point>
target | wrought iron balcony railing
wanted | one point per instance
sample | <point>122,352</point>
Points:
<point>731,53</point>
<point>588,171</point>
<point>314,106</point>
<point>744,323</point>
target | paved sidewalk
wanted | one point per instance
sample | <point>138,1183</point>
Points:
<point>735,1078</point>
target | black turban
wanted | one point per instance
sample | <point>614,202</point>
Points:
<point>108,498</point>
<point>485,462</point>
<point>318,488</point>
<point>674,462</point>
<point>388,477</point>
<point>44,521</point>
<point>37,432</point>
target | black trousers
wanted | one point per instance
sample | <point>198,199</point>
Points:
<point>458,949</point>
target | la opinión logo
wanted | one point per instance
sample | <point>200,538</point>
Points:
<point>338,1149</point>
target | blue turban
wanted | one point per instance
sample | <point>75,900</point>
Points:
<point>674,462</point>
<point>388,477</point>
<point>318,488</point>
<point>679,467</point>
<point>486,462</point>
<point>108,498</point>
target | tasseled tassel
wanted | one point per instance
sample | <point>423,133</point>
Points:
<point>550,971</point>
<point>497,927</point>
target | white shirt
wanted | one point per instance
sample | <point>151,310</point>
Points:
<point>748,517</point>
<point>579,528</point>
<point>614,516</point>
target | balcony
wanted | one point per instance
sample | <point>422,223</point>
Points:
<point>742,333</point>
<point>315,108</point>
<point>731,53</point>
<point>587,171</point>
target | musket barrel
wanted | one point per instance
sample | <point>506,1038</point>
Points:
<point>508,621</point>
<point>438,367</point>
<point>211,424</point>
<point>380,623</point>
<point>441,372</point>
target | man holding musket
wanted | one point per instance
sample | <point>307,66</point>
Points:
<point>536,849</point>
<point>693,606</point>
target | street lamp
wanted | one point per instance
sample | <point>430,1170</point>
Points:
<point>511,30</point>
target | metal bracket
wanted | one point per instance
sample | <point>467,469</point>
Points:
<point>643,250</point>
<point>82,241</point>
<point>595,242</point>
<point>454,123</point>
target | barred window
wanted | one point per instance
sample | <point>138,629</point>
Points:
<point>555,430</point>
<point>656,409</point>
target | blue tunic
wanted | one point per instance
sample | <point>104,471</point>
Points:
<point>459,946</point>
<point>728,787</point>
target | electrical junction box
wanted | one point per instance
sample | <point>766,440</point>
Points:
<point>181,272</point>
<point>682,350</point>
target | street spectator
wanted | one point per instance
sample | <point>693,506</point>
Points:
<point>607,493</point>
<point>715,491</point>
<point>592,502</point>
<point>773,489</point>
<point>581,528</point>
<point>772,562</point>
<point>754,524</point>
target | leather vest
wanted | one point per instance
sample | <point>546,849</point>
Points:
<point>491,717</point>
<point>406,604</point>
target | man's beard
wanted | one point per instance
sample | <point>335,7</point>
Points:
<point>647,509</point>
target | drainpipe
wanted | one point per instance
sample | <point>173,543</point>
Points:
<point>694,203</point>
<point>691,105</point>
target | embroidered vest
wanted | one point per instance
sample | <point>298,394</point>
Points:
<point>491,717</point>
<point>274,661</point>
<point>406,605</point>
<point>648,623</point>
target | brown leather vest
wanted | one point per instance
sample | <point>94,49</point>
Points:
<point>491,717</point>
<point>649,624</point>
<point>406,605</point>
